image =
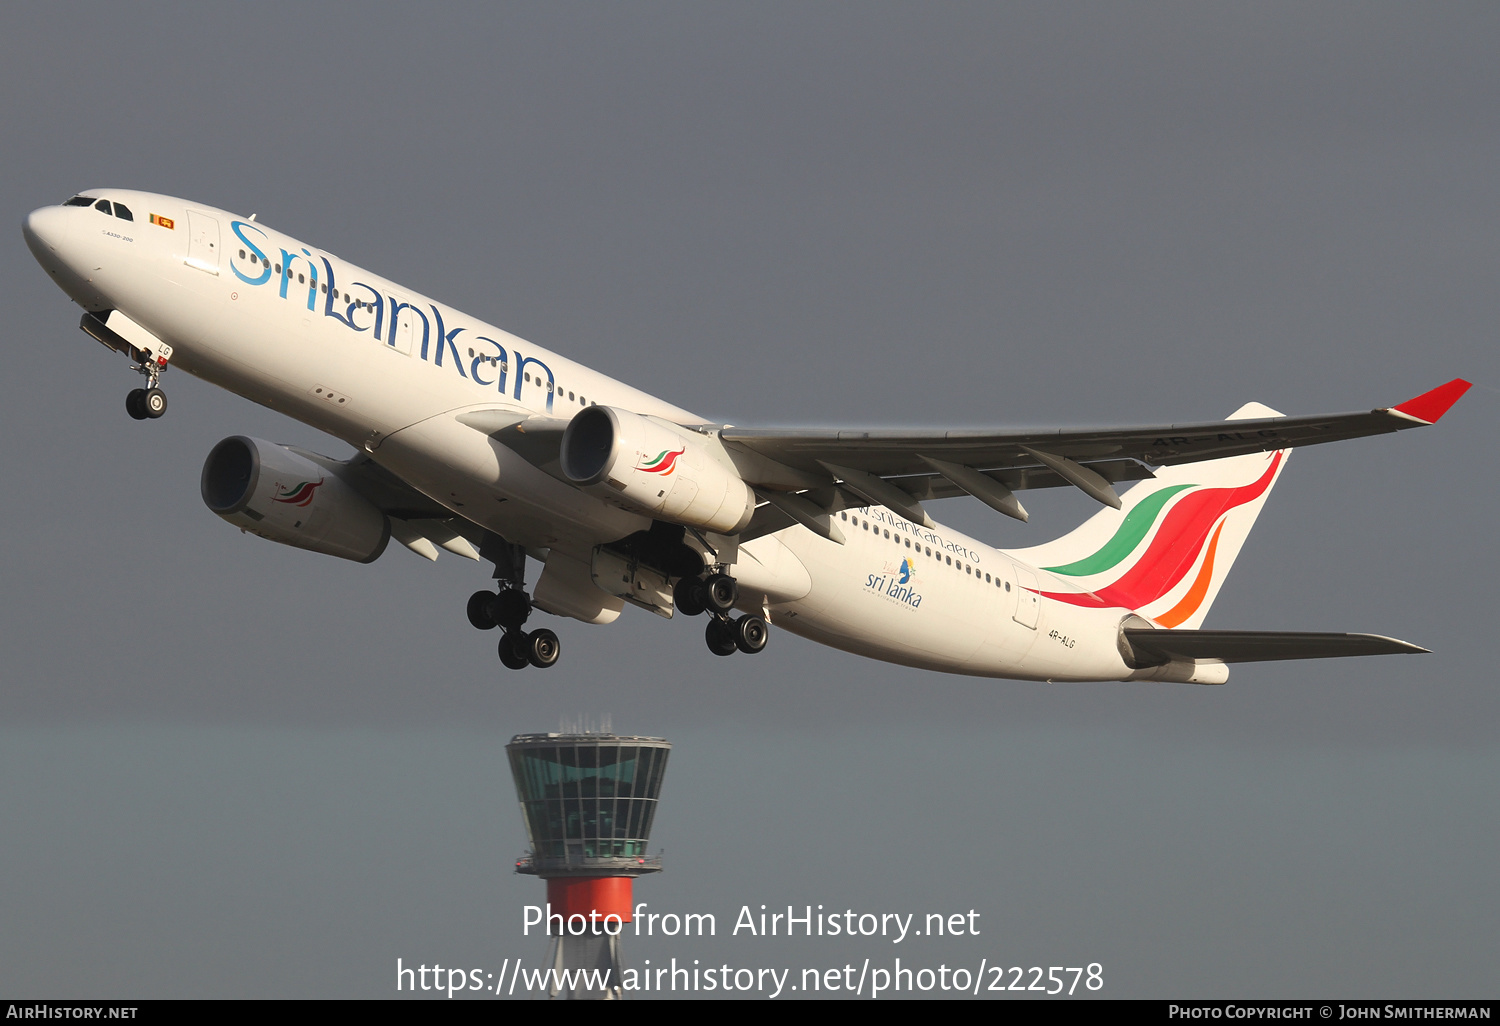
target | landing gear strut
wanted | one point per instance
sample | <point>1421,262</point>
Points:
<point>717,595</point>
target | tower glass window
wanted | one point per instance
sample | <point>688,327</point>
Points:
<point>587,797</point>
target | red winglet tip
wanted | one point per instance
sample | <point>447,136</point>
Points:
<point>1430,406</point>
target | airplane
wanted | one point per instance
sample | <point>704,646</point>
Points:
<point>470,440</point>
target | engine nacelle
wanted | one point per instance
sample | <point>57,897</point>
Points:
<point>655,467</point>
<point>273,492</point>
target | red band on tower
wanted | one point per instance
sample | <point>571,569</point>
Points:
<point>580,895</point>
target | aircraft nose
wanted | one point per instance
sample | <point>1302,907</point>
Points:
<point>43,229</point>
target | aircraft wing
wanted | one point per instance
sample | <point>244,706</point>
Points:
<point>899,469</point>
<point>1155,647</point>
<point>417,522</point>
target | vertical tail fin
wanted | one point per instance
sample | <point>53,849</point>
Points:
<point>1166,551</point>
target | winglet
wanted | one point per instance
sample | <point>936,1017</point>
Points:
<point>1429,407</point>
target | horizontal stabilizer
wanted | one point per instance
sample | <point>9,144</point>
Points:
<point>1162,646</point>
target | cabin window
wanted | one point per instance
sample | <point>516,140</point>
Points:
<point>986,578</point>
<point>949,559</point>
<point>582,401</point>
<point>527,376</point>
<point>301,280</point>
<point>102,205</point>
<point>278,268</point>
<point>570,395</point>
<point>325,287</point>
<point>843,516</point>
<point>123,212</point>
<point>1007,586</point>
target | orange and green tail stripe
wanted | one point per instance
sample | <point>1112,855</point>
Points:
<point>1172,551</point>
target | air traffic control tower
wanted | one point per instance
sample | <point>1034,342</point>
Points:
<point>588,800</point>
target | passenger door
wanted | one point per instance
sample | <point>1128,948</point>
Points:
<point>203,242</point>
<point>1028,602</point>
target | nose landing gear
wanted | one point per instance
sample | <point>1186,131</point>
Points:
<point>149,354</point>
<point>150,402</point>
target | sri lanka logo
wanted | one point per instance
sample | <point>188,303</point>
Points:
<point>897,583</point>
<point>298,494</point>
<point>662,463</point>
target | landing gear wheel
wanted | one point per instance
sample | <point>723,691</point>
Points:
<point>751,633</point>
<point>479,610</point>
<point>691,596</point>
<point>720,637</point>
<point>511,608</point>
<point>543,648</point>
<point>720,591</point>
<point>513,650</point>
<point>154,402</point>
<point>135,404</point>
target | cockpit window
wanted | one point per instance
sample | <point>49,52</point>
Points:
<point>80,201</point>
<point>123,212</point>
<point>102,205</point>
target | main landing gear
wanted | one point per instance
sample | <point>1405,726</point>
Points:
<point>509,610</point>
<point>716,595</point>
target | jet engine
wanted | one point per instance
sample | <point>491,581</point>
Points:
<point>280,495</point>
<point>656,467</point>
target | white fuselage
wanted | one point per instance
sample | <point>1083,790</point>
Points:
<point>388,371</point>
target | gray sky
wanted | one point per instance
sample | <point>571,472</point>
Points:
<point>229,768</point>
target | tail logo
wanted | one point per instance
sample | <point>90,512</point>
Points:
<point>1182,536</point>
<point>299,494</point>
<point>662,463</point>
